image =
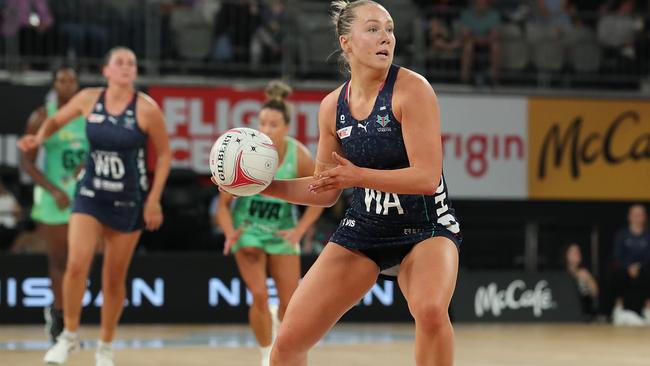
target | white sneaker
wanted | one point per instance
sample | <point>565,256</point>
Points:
<point>624,317</point>
<point>646,315</point>
<point>617,315</point>
<point>104,355</point>
<point>66,344</point>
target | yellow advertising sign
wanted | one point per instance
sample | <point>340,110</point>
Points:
<point>588,149</point>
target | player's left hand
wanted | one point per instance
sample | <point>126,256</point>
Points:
<point>221,190</point>
<point>344,175</point>
<point>153,216</point>
<point>293,236</point>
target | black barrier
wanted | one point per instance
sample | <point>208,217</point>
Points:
<point>169,288</point>
<point>493,296</point>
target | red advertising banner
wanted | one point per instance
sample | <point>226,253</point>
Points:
<point>196,116</point>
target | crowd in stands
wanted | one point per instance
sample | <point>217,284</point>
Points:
<point>467,41</point>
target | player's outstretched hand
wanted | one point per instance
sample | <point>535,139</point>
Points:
<point>28,142</point>
<point>153,216</point>
<point>344,175</point>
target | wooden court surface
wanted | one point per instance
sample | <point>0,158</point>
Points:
<point>350,344</point>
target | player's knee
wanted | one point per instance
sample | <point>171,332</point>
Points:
<point>431,314</point>
<point>284,349</point>
<point>260,298</point>
<point>76,270</point>
<point>113,286</point>
<point>57,264</point>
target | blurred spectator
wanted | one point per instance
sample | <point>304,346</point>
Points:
<point>617,32</point>
<point>585,283</point>
<point>480,25</point>
<point>266,44</point>
<point>24,25</point>
<point>585,13</point>
<point>85,26</point>
<point>442,35</point>
<point>10,213</point>
<point>552,16</point>
<point>19,14</point>
<point>235,24</point>
<point>632,275</point>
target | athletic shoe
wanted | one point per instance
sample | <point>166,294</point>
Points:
<point>624,317</point>
<point>104,355</point>
<point>66,344</point>
<point>646,315</point>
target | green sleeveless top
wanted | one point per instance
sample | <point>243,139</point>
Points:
<point>265,215</point>
<point>64,151</point>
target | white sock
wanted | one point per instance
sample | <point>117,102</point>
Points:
<point>266,354</point>
<point>68,334</point>
<point>101,345</point>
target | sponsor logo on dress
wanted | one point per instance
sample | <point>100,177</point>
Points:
<point>96,118</point>
<point>344,132</point>
<point>348,222</point>
<point>87,192</point>
<point>365,126</point>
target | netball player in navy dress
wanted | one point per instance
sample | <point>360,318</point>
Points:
<point>380,134</point>
<point>113,202</point>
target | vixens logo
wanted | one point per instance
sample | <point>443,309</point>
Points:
<point>383,120</point>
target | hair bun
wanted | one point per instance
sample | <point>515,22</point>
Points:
<point>338,7</point>
<point>277,90</point>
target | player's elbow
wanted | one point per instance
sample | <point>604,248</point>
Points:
<point>429,186</point>
<point>330,199</point>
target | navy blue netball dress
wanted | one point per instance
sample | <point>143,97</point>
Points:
<point>385,226</point>
<point>114,184</point>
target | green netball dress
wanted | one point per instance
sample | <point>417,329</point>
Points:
<point>64,151</point>
<point>262,217</point>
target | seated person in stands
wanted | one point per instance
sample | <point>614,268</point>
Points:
<point>585,283</point>
<point>632,270</point>
<point>480,26</point>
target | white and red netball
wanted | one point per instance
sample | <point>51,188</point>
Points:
<point>243,161</point>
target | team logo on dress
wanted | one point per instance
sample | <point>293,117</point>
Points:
<point>112,119</point>
<point>129,122</point>
<point>383,120</point>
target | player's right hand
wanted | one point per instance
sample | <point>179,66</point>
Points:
<point>231,240</point>
<point>28,142</point>
<point>62,200</point>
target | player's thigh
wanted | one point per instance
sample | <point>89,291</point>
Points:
<point>428,273</point>
<point>84,232</point>
<point>118,251</point>
<point>251,263</point>
<point>333,285</point>
<point>285,270</point>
